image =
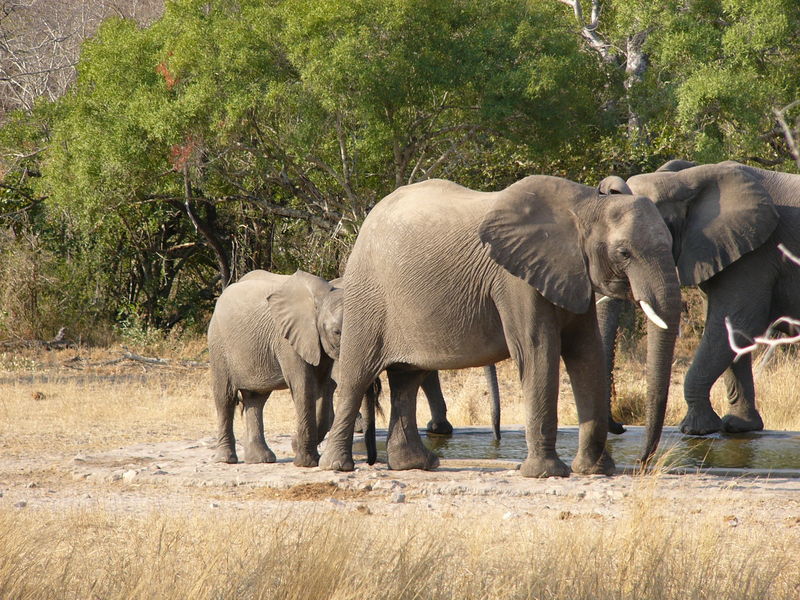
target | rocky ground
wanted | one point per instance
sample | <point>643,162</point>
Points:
<point>179,476</point>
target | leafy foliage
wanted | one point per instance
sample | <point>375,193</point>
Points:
<point>223,136</point>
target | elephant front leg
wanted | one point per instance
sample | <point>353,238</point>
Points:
<point>404,445</point>
<point>305,393</point>
<point>584,360</point>
<point>255,446</point>
<point>338,452</point>
<point>539,374</point>
<point>709,363</point>
<point>742,414</point>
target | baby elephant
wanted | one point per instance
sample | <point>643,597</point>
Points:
<point>272,332</point>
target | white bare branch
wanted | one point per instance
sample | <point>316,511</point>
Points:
<point>589,30</point>
<point>767,339</point>
<point>792,257</point>
<point>788,132</point>
<point>762,340</point>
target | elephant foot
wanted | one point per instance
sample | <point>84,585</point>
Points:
<point>439,427</point>
<point>306,459</point>
<point>547,466</point>
<point>226,455</point>
<point>739,423</point>
<point>615,427</point>
<point>336,460</point>
<point>257,453</point>
<point>403,458</point>
<point>700,422</point>
<point>583,464</point>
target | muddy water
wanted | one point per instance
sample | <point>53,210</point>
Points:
<point>765,451</point>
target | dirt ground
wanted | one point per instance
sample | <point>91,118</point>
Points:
<point>179,476</point>
<point>171,474</point>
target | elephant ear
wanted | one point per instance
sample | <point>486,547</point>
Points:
<point>532,232</point>
<point>676,164</point>
<point>728,215</point>
<point>613,185</point>
<point>294,309</point>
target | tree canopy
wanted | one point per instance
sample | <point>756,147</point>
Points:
<point>224,136</point>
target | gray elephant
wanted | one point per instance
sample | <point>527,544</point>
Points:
<point>271,332</point>
<point>432,388</point>
<point>443,277</point>
<point>726,221</point>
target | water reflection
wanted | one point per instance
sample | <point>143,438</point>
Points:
<point>770,450</point>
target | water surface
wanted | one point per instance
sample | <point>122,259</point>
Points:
<point>759,451</point>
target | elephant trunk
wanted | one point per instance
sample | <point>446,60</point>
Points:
<point>661,295</point>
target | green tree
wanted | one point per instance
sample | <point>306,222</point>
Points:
<point>701,79</point>
<point>228,136</point>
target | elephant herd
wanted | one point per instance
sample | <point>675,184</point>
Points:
<point>444,277</point>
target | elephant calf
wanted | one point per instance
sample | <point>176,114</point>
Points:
<point>271,332</point>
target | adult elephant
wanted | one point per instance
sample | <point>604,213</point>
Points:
<point>432,388</point>
<point>726,221</point>
<point>443,277</point>
<point>270,332</point>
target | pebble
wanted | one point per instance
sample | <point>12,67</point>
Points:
<point>32,484</point>
<point>214,505</point>
<point>130,475</point>
<point>398,498</point>
<point>21,504</point>
<point>510,515</point>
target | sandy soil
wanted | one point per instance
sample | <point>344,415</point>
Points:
<point>179,476</point>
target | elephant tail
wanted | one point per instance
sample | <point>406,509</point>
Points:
<point>372,401</point>
<point>494,391</point>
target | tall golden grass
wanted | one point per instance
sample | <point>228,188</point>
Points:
<point>656,551</point>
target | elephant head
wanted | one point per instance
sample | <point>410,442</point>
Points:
<point>308,312</point>
<point>568,241</point>
<point>715,213</point>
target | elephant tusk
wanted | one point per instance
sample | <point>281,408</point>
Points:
<point>601,300</point>
<point>651,314</point>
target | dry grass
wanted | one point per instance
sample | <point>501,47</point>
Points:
<point>653,551</point>
<point>650,553</point>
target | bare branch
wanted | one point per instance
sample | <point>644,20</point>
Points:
<point>762,340</point>
<point>792,257</point>
<point>780,115</point>
<point>589,30</point>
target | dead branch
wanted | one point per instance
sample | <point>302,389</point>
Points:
<point>767,339</point>
<point>59,342</point>
<point>788,133</point>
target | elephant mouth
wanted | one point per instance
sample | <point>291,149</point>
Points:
<point>618,288</point>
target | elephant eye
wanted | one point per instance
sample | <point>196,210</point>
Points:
<point>624,253</point>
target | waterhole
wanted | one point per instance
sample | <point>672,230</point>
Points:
<point>776,452</point>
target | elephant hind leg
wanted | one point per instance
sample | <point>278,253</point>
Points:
<point>255,446</point>
<point>433,392</point>
<point>742,414</point>
<point>225,402</point>
<point>404,445</point>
